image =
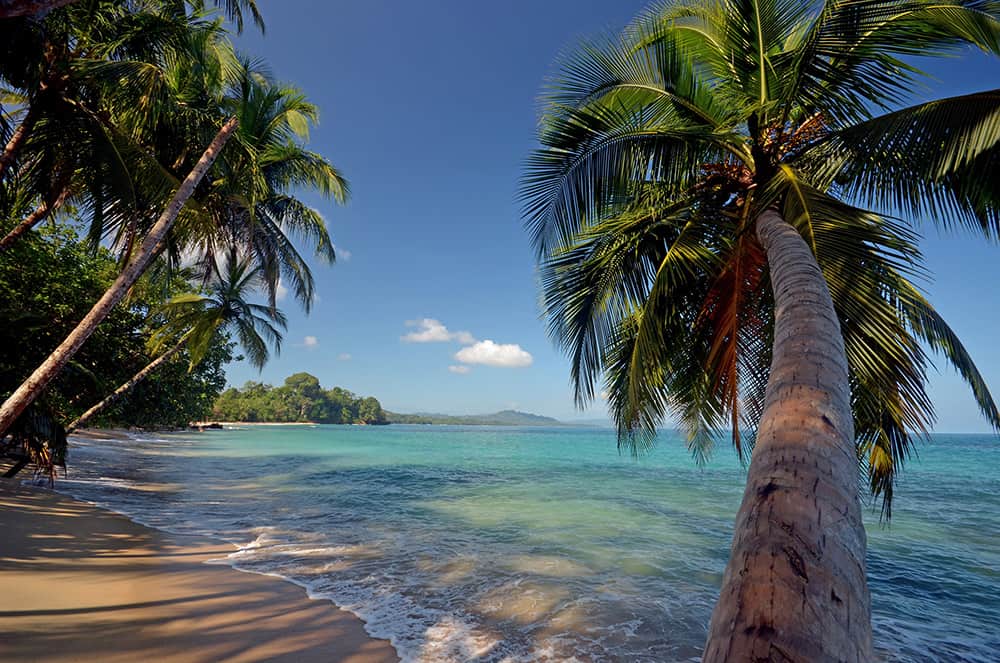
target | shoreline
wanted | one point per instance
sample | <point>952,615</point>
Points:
<point>86,583</point>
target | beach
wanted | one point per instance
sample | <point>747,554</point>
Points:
<point>84,584</point>
<point>454,543</point>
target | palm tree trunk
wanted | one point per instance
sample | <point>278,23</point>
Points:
<point>17,139</point>
<point>33,219</point>
<point>127,386</point>
<point>33,386</point>
<point>795,587</point>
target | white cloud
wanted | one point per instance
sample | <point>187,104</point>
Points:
<point>280,292</point>
<point>494,354</point>
<point>310,341</point>
<point>344,356</point>
<point>461,370</point>
<point>429,330</point>
<point>342,253</point>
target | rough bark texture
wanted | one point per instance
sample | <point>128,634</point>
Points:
<point>795,586</point>
<point>32,220</point>
<point>12,8</point>
<point>33,386</point>
<point>126,387</point>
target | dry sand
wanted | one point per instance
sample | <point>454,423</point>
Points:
<point>78,583</point>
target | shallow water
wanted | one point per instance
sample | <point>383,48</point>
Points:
<point>518,544</point>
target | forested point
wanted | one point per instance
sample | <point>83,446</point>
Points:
<point>300,399</point>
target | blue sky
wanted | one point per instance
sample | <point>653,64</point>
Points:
<point>430,109</point>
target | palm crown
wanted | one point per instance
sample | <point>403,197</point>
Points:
<point>225,306</point>
<point>660,148</point>
<point>139,95</point>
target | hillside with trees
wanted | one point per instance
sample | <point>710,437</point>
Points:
<point>300,399</point>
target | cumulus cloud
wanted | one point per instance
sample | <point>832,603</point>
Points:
<point>461,370</point>
<point>280,292</point>
<point>344,356</point>
<point>342,253</point>
<point>429,330</point>
<point>506,355</point>
<point>310,341</point>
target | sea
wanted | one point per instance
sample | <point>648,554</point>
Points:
<point>497,544</point>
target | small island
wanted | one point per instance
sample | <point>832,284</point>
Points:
<point>301,399</point>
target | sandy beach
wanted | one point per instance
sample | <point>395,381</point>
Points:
<point>84,584</point>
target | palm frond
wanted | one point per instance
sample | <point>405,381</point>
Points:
<point>938,161</point>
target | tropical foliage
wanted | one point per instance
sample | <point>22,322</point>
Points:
<point>50,280</point>
<point>662,145</point>
<point>725,208</point>
<point>194,321</point>
<point>301,398</point>
<point>105,114</point>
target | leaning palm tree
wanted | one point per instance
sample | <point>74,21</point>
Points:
<point>33,386</point>
<point>194,321</point>
<point>718,208</point>
<point>250,202</point>
<point>52,63</point>
<point>59,75</point>
<point>256,203</point>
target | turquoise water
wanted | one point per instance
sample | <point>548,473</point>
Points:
<point>501,544</point>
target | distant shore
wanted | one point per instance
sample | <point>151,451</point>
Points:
<point>83,583</point>
<point>206,424</point>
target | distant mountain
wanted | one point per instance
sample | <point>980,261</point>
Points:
<point>502,418</point>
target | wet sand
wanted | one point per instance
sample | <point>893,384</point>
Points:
<point>78,583</point>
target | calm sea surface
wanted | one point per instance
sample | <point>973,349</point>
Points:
<point>531,544</point>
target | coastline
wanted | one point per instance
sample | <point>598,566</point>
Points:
<point>85,583</point>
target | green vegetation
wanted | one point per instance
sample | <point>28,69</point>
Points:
<point>50,279</point>
<point>193,321</point>
<point>139,125</point>
<point>723,207</point>
<point>502,418</point>
<point>301,398</point>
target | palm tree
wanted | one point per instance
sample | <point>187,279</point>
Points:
<point>256,203</point>
<point>194,321</point>
<point>250,202</point>
<point>30,389</point>
<point>716,208</point>
<point>66,90</point>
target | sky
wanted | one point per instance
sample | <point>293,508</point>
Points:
<point>430,110</point>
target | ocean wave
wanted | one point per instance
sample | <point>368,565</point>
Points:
<point>457,548</point>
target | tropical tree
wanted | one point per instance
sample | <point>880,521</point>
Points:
<point>56,67</point>
<point>249,203</point>
<point>40,378</point>
<point>80,93</point>
<point>256,202</point>
<point>61,74</point>
<point>193,321</point>
<point>722,208</point>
